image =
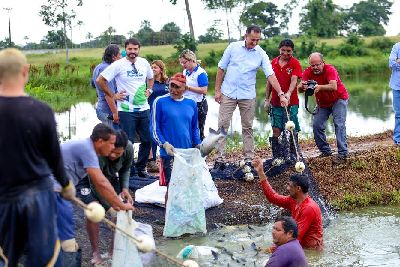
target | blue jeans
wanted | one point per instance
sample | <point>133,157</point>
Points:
<point>396,109</point>
<point>103,117</point>
<point>339,113</point>
<point>137,122</point>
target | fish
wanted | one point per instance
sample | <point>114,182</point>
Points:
<point>210,142</point>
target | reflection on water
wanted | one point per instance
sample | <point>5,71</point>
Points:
<point>369,112</point>
<point>366,237</point>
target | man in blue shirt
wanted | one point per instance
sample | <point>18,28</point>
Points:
<point>106,109</point>
<point>174,123</point>
<point>240,61</point>
<point>394,64</point>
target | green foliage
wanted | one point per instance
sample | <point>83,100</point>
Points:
<point>152,57</point>
<point>368,16</point>
<point>213,57</point>
<point>55,39</point>
<point>383,44</point>
<point>212,35</point>
<point>271,45</point>
<point>263,14</point>
<point>320,18</point>
<point>185,42</point>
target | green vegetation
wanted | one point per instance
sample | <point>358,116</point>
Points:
<point>50,72</point>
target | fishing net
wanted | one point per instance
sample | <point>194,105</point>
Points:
<point>285,153</point>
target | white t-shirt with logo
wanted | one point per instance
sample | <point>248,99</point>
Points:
<point>132,79</point>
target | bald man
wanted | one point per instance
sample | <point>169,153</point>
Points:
<point>332,99</point>
<point>30,155</point>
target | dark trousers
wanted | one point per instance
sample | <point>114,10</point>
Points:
<point>137,122</point>
<point>202,109</point>
<point>29,222</point>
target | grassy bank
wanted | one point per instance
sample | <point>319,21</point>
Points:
<point>369,177</point>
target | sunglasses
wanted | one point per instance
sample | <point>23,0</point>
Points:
<point>134,68</point>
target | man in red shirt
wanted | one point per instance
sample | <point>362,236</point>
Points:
<point>305,211</point>
<point>332,99</point>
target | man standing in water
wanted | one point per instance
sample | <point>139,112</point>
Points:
<point>240,61</point>
<point>288,250</point>
<point>30,156</point>
<point>305,211</point>
<point>133,75</point>
<point>394,65</point>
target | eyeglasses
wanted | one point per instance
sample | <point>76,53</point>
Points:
<point>316,65</point>
<point>175,86</point>
<point>135,71</point>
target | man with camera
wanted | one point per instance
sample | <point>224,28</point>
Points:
<point>332,99</point>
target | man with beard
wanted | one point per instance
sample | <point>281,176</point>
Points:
<point>305,211</point>
<point>133,76</point>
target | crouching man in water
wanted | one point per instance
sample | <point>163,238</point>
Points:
<point>289,252</point>
<point>305,211</point>
<point>116,168</point>
<point>80,159</point>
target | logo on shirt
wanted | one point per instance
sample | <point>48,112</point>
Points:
<point>135,74</point>
<point>289,71</point>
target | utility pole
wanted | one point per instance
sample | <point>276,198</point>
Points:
<point>8,9</point>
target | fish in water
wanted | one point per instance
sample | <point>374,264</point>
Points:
<point>210,142</point>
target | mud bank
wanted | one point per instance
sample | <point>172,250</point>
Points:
<point>371,176</point>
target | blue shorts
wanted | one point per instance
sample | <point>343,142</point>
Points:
<point>65,219</point>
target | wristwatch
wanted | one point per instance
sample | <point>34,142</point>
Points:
<point>281,93</point>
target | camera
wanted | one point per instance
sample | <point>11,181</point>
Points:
<point>310,87</point>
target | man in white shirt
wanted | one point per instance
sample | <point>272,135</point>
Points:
<point>133,76</point>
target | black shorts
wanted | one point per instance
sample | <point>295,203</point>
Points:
<point>29,223</point>
<point>167,164</point>
<point>87,193</point>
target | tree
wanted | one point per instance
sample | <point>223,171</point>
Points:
<point>131,34</point>
<point>170,33</point>
<point>185,42</point>
<point>263,14</point>
<point>320,18</point>
<point>55,39</point>
<point>367,17</point>
<point>212,35</point>
<point>145,33</point>
<point>189,15</point>
<point>58,12</point>
<point>227,6</point>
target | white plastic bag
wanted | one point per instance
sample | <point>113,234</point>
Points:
<point>195,252</point>
<point>210,192</point>
<point>125,253</point>
<point>185,212</point>
<point>152,194</point>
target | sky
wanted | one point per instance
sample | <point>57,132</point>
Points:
<point>127,15</point>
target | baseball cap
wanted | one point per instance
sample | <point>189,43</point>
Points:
<point>178,79</point>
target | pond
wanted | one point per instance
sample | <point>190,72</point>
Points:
<point>365,237</point>
<point>369,112</point>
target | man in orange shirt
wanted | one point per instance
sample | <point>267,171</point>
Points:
<point>305,211</point>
